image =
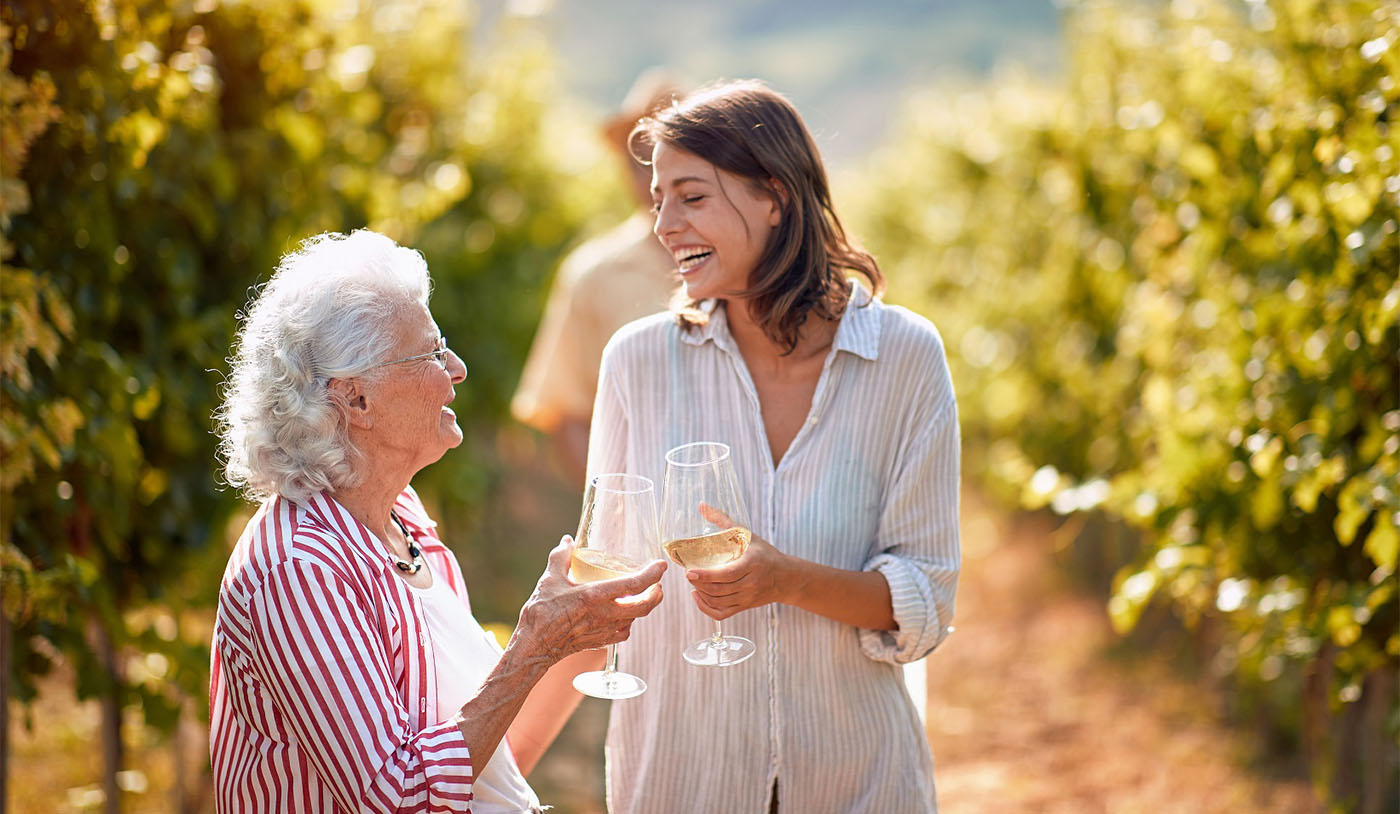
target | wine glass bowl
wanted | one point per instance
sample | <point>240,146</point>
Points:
<point>709,550</point>
<point>704,525</point>
<point>617,536</point>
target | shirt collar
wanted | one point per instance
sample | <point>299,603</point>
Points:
<point>340,523</point>
<point>858,333</point>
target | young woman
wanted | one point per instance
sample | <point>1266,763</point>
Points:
<point>843,427</point>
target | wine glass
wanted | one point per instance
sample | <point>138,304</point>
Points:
<point>616,536</point>
<point>703,473</point>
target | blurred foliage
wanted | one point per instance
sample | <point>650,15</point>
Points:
<point>174,152</point>
<point>1170,296</point>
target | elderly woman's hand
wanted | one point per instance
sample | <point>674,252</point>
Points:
<point>561,618</point>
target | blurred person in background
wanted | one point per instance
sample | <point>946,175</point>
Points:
<point>841,418</point>
<point>348,673</point>
<point>602,285</point>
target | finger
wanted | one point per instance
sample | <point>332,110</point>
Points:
<point>716,516</point>
<point>716,591</point>
<point>633,583</point>
<point>612,634</point>
<point>643,604</point>
<point>708,608</point>
<point>723,575</point>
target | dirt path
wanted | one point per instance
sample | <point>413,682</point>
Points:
<point>1027,713</point>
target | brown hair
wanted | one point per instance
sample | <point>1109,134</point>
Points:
<point>746,128</point>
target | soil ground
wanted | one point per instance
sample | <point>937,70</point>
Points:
<point>1030,709</point>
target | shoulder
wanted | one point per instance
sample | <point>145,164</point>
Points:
<point>905,333</point>
<point>912,355</point>
<point>282,543</point>
<point>285,536</point>
<point>642,335</point>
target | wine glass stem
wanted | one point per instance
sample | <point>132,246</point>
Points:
<point>717,640</point>
<point>611,666</point>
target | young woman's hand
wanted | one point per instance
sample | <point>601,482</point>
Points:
<point>762,576</point>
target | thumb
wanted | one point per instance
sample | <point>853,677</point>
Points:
<point>716,516</point>
<point>637,581</point>
<point>560,554</point>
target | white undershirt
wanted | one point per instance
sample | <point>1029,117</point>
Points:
<point>464,654</point>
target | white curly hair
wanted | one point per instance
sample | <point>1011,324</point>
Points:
<point>327,313</point>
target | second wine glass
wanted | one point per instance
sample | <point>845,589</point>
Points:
<point>699,474</point>
<point>616,536</point>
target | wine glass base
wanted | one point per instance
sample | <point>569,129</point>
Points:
<point>730,651</point>
<point>614,685</point>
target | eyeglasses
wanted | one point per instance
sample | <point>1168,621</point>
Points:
<point>438,354</point>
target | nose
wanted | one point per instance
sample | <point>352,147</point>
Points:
<point>668,219</point>
<point>456,367</point>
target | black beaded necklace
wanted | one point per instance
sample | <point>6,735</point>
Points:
<point>416,557</point>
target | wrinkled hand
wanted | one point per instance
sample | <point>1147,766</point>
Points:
<point>756,579</point>
<point>561,618</point>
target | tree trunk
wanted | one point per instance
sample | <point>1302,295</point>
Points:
<point>1378,780</point>
<point>1316,728</point>
<point>4,711</point>
<point>111,720</point>
<point>178,762</point>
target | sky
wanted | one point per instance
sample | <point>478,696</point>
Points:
<point>846,64</point>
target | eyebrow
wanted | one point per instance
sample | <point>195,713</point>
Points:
<point>685,179</point>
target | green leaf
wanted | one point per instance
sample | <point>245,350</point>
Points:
<point>1353,507</point>
<point>1383,543</point>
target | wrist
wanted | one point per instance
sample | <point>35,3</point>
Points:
<point>793,580</point>
<point>525,658</point>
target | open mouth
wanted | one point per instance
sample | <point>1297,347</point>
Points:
<point>688,259</point>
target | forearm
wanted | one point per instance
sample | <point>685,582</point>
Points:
<point>487,716</point>
<point>858,598</point>
<point>548,707</point>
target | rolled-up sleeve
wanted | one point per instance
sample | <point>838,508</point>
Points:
<point>918,549</point>
<point>324,663</point>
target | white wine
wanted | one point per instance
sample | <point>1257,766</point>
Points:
<point>710,550</point>
<point>592,565</point>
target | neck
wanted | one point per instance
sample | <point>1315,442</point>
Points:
<point>814,338</point>
<point>370,503</point>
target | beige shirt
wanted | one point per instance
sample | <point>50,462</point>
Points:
<point>869,483</point>
<point>619,276</point>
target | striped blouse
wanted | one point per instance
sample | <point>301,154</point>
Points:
<point>869,483</point>
<point>323,692</point>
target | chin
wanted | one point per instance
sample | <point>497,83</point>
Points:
<point>698,291</point>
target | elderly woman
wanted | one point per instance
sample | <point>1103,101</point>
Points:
<point>348,672</point>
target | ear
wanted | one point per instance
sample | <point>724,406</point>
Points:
<point>349,396</point>
<point>780,201</point>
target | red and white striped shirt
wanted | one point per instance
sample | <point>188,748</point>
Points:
<point>323,691</point>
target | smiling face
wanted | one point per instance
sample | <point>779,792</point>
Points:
<point>715,224</point>
<point>407,403</point>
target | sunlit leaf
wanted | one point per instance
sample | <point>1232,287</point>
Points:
<point>1383,543</point>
